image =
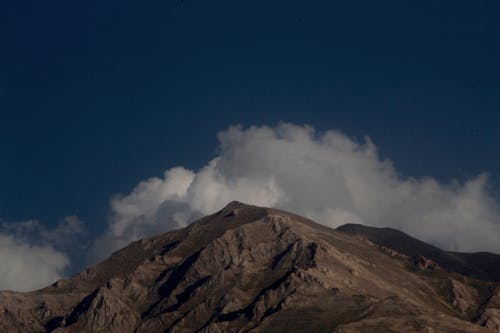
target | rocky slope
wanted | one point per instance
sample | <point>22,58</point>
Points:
<point>252,269</point>
<point>481,265</point>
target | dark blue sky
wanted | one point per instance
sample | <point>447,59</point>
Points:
<point>98,95</point>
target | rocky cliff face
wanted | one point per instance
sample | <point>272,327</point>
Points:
<point>252,269</point>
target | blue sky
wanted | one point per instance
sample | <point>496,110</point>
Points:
<point>95,97</point>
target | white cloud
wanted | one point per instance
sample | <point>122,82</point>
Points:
<point>27,267</point>
<point>328,177</point>
<point>32,256</point>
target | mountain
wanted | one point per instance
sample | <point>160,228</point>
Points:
<point>254,269</point>
<point>481,265</point>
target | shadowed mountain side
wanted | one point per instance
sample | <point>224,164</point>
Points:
<point>254,269</point>
<point>481,265</point>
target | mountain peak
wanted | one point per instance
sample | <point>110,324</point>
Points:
<point>249,268</point>
<point>234,206</point>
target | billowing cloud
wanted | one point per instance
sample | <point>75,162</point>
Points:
<point>32,256</point>
<point>27,267</point>
<point>327,177</point>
